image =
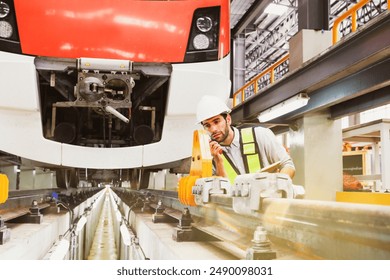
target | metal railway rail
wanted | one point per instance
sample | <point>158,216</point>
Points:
<point>296,229</point>
<point>20,202</point>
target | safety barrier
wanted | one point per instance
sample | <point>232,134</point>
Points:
<point>269,74</point>
<point>353,13</point>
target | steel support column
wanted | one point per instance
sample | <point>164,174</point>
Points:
<point>318,166</point>
<point>313,14</point>
<point>238,63</point>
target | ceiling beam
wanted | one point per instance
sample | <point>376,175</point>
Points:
<point>250,17</point>
<point>362,103</point>
<point>351,91</point>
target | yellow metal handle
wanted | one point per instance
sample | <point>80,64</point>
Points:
<point>201,166</point>
<point>185,190</point>
<point>4,185</point>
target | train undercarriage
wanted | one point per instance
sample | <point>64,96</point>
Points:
<point>103,104</point>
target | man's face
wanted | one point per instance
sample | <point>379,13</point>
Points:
<point>217,127</point>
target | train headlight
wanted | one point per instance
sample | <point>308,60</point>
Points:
<point>4,9</point>
<point>9,36</point>
<point>201,42</point>
<point>5,29</point>
<point>204,24</point>
<point>204,36</point>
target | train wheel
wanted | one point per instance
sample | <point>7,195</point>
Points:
<point>67,178</point>
<point>134,178</point>
<point>144,180</point>
<point>139,179</point>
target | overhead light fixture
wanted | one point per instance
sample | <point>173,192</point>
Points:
<point>275,9</point>
<point>284,107</point>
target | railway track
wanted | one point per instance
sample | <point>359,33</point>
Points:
<point>295,228</point>
<point>282,229</point>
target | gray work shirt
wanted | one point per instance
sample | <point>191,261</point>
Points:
<point>270,150</point>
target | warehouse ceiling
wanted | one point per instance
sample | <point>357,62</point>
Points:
<point>267,33</point>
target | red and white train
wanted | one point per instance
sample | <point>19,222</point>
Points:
<point>108,84</point>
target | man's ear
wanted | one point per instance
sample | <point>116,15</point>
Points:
<point>228,119</point>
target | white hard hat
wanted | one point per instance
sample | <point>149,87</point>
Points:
<point>210,106</point>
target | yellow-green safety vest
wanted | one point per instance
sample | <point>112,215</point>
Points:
<point>250,154</point>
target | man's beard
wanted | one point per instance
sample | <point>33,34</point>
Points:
<point>225,134</point>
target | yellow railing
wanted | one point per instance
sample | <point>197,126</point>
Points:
<point>350,13</point>
<point>239,95</point>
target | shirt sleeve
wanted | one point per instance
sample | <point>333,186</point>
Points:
<point>271,150</point>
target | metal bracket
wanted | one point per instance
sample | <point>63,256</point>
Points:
<point>204,187</point>
<point>261,246</point>
<point>249,190</point>
<point>146,205</point>
<point>183,231</point>
<point>158,216</point>
<point>35,217</point>
<point>5,233</point>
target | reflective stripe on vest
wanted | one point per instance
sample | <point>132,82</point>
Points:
<point>230,169</point>
<point>250,154</point>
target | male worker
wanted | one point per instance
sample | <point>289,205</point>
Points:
<point>239,151</point>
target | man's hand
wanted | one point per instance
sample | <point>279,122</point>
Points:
<point>215,148</point>
<point>216,152</point>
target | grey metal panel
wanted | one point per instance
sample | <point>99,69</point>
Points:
<point>358,86</point>
<point>368,101</point>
